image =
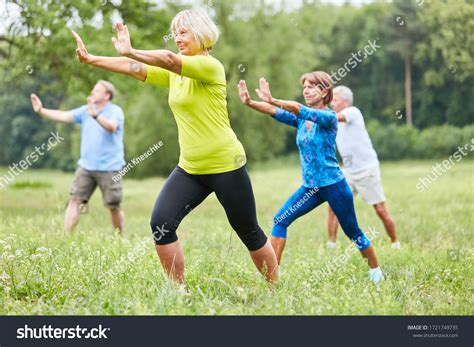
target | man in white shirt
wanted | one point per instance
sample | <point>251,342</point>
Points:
<point>361,166</point>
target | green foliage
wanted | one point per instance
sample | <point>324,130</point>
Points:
<point>30,185</point>
<point>438,141</point>
<point>258,39</point>
<point>401,142</point>
<point>453,23</point>
<point>394,142</point>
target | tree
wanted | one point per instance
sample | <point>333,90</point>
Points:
<point>403,34</point>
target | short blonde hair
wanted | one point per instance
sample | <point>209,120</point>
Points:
<point>197,21</point>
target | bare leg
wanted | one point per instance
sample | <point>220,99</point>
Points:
<point>172,259</point>
<point>369,254</point>
<point>387,220</point>
<point>266,262</point>
<point>278,244</point>
<point>333,224</point>
<point>71,217</point>
<point>117,218</point>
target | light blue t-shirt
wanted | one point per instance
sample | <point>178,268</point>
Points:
<point>101,150</point>
<point>317,145</point>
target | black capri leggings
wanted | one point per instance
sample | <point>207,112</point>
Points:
<point>182,192</point>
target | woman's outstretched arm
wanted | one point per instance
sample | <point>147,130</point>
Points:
<point>325,118</point>
<point>121,65</point>
<point>278,114</point>
<point>264,93</point>
<point>259,106</point>
<point>162,58</point>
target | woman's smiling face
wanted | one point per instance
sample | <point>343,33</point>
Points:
<point>186,43</point>
<point>312,93</point>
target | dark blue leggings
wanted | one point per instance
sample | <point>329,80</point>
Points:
<point>338,196</point>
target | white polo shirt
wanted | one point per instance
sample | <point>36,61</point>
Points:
<point>353,142</point>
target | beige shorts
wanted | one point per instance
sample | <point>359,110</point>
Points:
<point>368,184</point>
<point>85,182</point>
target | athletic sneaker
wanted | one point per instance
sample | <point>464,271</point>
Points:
<point>396,245</point>
<point>331,245</point>
<point>376,275</point>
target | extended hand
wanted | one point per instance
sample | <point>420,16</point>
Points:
<point>122,42</point>
<point>36,103</point>
<point>81,51</point>
<point>244,93</point>
<point>91,107</point>
<point>264,91</point>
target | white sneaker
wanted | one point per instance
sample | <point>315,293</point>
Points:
<point>376,275</point>
<point>331,245</point>
<point>396,245</point>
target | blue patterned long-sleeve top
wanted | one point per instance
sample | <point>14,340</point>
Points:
<point>317,146</point>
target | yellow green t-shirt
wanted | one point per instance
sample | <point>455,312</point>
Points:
<point>208,145</point>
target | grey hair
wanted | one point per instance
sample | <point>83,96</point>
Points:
<point>345,93</point>
<point>109,87</point>
<point>198,22</point>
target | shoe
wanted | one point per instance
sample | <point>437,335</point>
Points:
<point>396,245</point>
<point>376,275</point>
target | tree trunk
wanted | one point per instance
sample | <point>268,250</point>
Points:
<point>408,104</point>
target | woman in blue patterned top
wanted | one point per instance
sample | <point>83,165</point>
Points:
<point>322,179</point>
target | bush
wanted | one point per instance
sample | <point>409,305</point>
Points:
<point>394,142</point>
<point>438,141</point>
<point>467,134</point>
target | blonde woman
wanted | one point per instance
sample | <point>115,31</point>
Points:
<point>212,159</point>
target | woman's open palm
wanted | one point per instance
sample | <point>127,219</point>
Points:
<point>243,92</point>
<point>264,91</point>
<point>122,41</point>
<point>81,50</point>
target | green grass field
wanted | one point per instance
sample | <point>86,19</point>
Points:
<point>94,271</point>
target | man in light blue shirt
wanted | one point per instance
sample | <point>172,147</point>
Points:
<point>102,152</point>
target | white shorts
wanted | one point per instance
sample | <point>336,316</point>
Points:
<point>367,183</point>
